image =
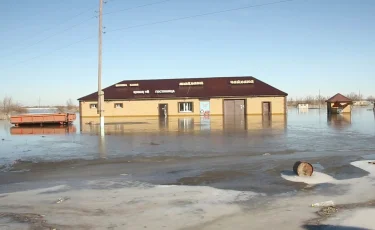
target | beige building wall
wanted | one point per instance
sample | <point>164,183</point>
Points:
<point>216,106</point>
<point>254,105</point>
<point>151,107</point>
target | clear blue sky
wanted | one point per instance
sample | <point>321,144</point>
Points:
<point>299,47</point>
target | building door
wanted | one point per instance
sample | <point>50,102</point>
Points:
<point>229,107</point>
<point>163,110</point>
<point>239,108</point>
<point>234,114</point>
<point>266,108</point>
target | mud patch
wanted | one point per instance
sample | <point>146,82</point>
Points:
<point>326,212</point>
<point>34,221</point>
<point>209,177</point>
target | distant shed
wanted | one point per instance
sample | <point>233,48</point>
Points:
<point>303,106</point>
<point>339,104</point>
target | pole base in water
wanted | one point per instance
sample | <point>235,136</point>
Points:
<point>102,133</point>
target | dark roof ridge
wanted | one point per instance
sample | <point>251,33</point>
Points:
<point>213,87</point>
<point>338,97</point>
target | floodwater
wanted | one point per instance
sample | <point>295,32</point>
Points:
<point>242,154</point>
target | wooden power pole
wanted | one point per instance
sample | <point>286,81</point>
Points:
<point>100,92</point>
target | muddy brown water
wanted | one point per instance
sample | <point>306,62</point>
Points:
<point>245,154</point>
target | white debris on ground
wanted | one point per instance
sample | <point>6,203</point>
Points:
<point>315,178</point>
<point>135,205</point>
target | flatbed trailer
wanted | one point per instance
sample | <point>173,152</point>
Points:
<point>43,119</point>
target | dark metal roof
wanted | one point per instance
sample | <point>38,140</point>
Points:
<point>338,98</point>
<point>181,88</point>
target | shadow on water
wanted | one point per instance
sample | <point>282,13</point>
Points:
<point>329,227</point>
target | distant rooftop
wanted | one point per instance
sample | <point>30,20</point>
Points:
<point>339,98</point>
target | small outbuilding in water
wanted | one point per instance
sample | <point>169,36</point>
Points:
<point>339,104</point>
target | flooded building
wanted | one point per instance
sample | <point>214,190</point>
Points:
<point>339,104</point>
<point>237,96</point>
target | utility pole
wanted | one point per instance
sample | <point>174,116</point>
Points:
<point>100,92</point>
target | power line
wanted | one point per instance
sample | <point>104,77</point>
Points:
<point>201,15</point>
<point>64,22</point>
<point>55,34</point>
<point>161,22</point>
<point>53,51</point>
<point>58,24</point>
<point>140,6</point>
<point>82,22</point>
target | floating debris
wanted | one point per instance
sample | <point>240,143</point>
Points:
<point>302,168</point>
<point>62,199</point>
<point>329,203</point>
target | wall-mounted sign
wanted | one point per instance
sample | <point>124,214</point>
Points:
<point>191,83</point>
<point>242,82</point>
<point>141,92</point>
<point>134,85</point>
<point>121,85</point>
<point>165,91</point>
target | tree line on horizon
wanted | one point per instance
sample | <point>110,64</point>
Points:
<point>319,100</point>
<point>9,106</point>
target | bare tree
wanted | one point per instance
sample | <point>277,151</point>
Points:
<point>70,105</point>
<point>8,106</point>
<point>61,108</point>
<point>354,96</point>
<point>370,98</point>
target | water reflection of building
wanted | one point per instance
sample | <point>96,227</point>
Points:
<point>339,121</point>
<point>303,110</point>
<point>45,130</point>
<point>119,125</point>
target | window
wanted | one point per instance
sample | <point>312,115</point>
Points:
<point>119,105</point>
<point>93,106</point>
<point>185,107</point>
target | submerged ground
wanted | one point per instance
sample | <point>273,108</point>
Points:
<point>190,173</point>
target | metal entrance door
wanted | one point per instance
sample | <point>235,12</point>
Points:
<point>234,114</point>
<point>266,108</point>
<point>234,107</point>
<point>163,110</point>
